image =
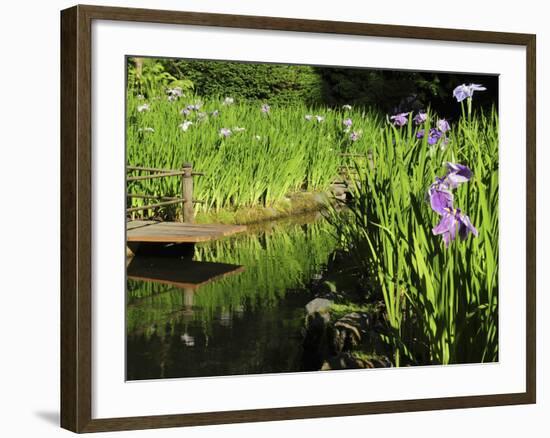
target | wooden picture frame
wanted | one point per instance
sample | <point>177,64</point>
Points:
<point>76,217</point>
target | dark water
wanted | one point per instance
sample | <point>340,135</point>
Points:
<point>236,308</point>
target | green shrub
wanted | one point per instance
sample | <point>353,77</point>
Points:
<point>148,77</point>
<point>278,84</point>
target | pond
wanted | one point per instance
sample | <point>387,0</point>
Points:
<point>238,307</point>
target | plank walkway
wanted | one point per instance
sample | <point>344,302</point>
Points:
<point>178,232</point>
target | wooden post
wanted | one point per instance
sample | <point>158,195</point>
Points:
<point>187,193</point>
<point>371,161</point>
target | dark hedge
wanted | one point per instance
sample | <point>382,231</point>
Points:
<point>385,90</point>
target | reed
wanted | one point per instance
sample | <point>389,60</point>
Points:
<point>266,157</point>
<point>441,303</point>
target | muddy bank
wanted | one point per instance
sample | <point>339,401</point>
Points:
<point>295,204</point>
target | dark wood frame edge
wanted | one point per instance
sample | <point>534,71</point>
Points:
<point>76,239</point>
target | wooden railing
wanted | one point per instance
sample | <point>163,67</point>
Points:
<point>185,198</point>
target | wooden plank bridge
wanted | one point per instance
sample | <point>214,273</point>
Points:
<point>158,234</point>
<point>177,232</point>
<point>185,232</point>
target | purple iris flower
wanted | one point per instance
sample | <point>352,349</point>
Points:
<point>347,123</point>
<point>441,199</point>
<point>443,125</point>
<point>265,108</point>
<point>433,136</point>
<point>466,91</point>
<point>465,226</point>
<point>400,119</point>
<point>461,92</point>
<point>420,134</point>
<point>457,174</point>
<point>420,118</point>
<point>225,132</point>
<point>185,125</point>
<point>477,87</point>
<point>174,93</point>
<point>454,220</point>
<point>354,136</point>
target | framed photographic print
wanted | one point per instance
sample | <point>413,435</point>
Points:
<point>268,218</point>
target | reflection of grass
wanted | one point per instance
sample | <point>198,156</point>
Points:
<point>441,304</point>
<point>137,289</point>
<point>275,261</point>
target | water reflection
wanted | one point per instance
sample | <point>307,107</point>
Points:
<point>236,308</point>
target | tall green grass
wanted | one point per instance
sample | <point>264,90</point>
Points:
<point>441,304</point>
<point>277,153</point>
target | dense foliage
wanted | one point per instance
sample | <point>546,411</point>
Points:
<point>279,84</point>
<point>149,77</point>
<point>384,90</point>
<point>260,139</point>
<point>249,157</point>
<point>441,303</point>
